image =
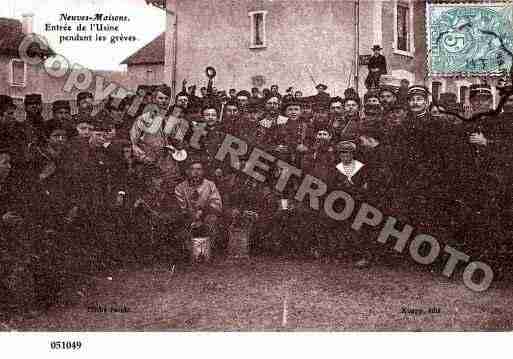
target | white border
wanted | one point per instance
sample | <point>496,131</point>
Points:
<point>260,345</point>
<point>252,31</point>
<point>11,73</point>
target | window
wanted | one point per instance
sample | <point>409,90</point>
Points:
<point>18,72</point>
<point>403,29</point>
<point>257,22</point>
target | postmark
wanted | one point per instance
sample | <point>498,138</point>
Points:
<point>469,39</point>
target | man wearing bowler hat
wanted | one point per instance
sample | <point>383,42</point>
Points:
<point>377,67</point>
<point>322,99</point>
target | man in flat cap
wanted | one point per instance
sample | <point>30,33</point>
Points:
<point>231,118</point>
<point>85,108</point>
<point>61,111</point>
<point>393,112</point>
<point>275,92</point>
<point>299,130</point>
<point>372,106</point>
<point>481,98</point>
<point>418,103</point>
<point>503,138</point>
<point>481,102</point>
<point>343,117</point>
<point>478,183</point>
<point>377,67</point>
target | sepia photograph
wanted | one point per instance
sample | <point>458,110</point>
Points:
<point>256,166</point>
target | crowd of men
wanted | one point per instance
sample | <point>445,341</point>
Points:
<point>81,192</point>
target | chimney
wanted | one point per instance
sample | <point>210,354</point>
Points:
<point>27,23</point>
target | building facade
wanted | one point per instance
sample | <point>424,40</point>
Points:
<point>146,66</point>
<point>18,78</point>
<point>257,43</point>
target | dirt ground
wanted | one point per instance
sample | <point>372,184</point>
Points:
<point>269,294</point>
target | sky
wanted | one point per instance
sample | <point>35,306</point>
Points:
<point>146,23</point>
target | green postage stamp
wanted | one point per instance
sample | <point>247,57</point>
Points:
<point>469,39</point>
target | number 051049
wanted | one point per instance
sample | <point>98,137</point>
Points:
<point>66,345</point>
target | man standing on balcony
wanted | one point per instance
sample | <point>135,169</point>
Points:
<point>377,67</point>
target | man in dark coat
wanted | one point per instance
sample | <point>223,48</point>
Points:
<point>85,108</point>
<point>16,280</point>
<point>377,67</point>
<point>12,132</point>
<point>34,121</point>
<point>322,99</point>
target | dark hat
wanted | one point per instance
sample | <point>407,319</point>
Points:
<point>244,93</point>
<point>33,99</point>
<point>388,88</point>
<point>480,89</point>
<point>231,102</point>
<point>182,94</point>
<point>60,105</point>
<point>377,47</point>
<point>145,88</point>
<point>322,87</point>
<point>353,98</point>
<point>211,103</point>
<point>370,94</point>
<point>6,102</point>
<point>113,103</point>
<point>290,101</point>
<point>196,158</point>
<point>336,99</point>
<point>350,92</point>
<point>165,89</point>
<point>84,95</point>
<point>255,107</point>
<point>52,125</point>
<point>418,90</point>
<point>272,96</point>
<point>346,146</point>
<point>449,101</point>
<point>126,102</point>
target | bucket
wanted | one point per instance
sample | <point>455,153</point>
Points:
<point>284,204</point>
<point>200,248</point>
